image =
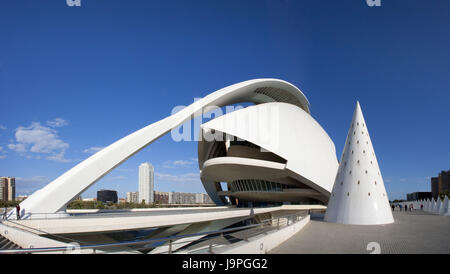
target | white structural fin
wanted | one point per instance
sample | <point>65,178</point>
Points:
<point>437,207</point>
<point>359,196</point>
<point>444,207</point>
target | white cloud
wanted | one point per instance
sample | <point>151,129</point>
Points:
<point>57,122</point>
<point>57,157</point>
<point>17,147</point>
<point>40,139</point>
<point>2,127</point>
<point>181,178</point>
<point>116,178</point>
<point>28,185</point>
<point>179,163</point>
<point>124,169</point>
<point>2,153</point>
<point>34,179</point>
<point>92,150</point>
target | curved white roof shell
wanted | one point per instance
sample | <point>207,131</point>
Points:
<point>283,129</point>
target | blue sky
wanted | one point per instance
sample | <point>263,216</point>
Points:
<point>73,79</point>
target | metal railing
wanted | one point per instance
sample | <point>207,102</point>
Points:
<point>248,231</point>
<point>108,213</point>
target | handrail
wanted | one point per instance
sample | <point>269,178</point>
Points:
<point>29,215</point>
<point>170,239</point>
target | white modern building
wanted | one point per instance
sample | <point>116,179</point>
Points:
<point>146,183</point>
<point>271,152</point>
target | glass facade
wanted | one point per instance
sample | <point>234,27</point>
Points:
<point>243,143</point>
<point>257,185</point>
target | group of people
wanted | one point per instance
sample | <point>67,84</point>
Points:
<point>405,207</point>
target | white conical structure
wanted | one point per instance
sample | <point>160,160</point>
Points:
<point>359,196</point>
<point>437,207</point>
<point>428,205</point>
<point>444,207</point>
<point>433,204</point>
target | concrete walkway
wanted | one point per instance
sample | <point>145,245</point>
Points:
<point>412,232</point>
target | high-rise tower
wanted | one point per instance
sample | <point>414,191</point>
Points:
<point>146,183</point>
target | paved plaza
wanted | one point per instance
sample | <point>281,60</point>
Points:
<point>412,232</point>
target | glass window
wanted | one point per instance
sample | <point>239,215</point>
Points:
<point>259,185</point>
<point>280,187</point>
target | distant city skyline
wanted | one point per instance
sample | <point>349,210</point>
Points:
<point>74,89</point>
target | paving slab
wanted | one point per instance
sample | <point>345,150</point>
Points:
<point>412,232</point>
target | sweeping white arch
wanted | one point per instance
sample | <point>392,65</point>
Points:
<point>57,194</point>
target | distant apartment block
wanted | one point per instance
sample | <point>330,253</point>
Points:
<point>133,197</point>
<point>434,186</point>
<point>161,197</point>
<point>7,188</point>
<point>441,183</point>
<point>189,198</point>
<point>418,196</point>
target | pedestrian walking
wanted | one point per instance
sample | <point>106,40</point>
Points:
<point>18,212</point>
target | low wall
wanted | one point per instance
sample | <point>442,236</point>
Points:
<point>264,243</point>
<point>26,239</point>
